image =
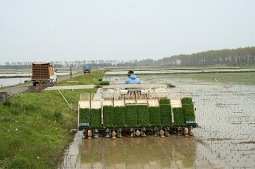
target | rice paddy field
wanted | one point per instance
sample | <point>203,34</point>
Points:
<point>224,138</point>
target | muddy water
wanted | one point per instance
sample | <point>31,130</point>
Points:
<point>149,152</point>
<point>225,137</point>
<point>12,80</point>
<point>227,123</point>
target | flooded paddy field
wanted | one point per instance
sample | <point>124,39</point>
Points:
<point>224,138</point>
<point>14,77</point>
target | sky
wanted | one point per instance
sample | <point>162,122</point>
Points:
<point>69,30</point>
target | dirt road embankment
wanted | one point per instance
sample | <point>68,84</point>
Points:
<point>23,87</point>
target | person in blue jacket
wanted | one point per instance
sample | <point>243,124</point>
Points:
<point>132,78</point>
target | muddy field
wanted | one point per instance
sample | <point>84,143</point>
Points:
<point>224,138</point>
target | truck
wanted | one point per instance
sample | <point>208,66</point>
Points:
<point>43,74</point>
<point>86,69</point>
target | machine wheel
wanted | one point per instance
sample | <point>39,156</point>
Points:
<point>35,83</point>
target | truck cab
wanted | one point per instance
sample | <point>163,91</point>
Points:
<point>86,69</point>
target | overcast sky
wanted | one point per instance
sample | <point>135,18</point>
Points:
<point>68,30</point>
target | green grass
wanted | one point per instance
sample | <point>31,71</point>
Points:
<point>35,127</point>
<point>87,78</point>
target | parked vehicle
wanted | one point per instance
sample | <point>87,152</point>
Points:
<point>86,69</point>
<point>43,73</point>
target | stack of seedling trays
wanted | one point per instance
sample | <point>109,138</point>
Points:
<point>131,113</point>
<point>177,112</point>
<point>95,114</point>
<point>178,116</point>
<point>84,114</point>
<point>108,115</point>
<point>165,110</point>
<point>142,113</point>
<point>119,113</point>
<point>154,113</point>
<point>188,110</point>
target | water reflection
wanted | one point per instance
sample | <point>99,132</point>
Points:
<point>30,74</point>
<point>148,152</point>
<point>23,77</point>
<point>12,81</point>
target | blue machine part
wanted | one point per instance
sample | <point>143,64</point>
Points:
<point>190,121</point>
<point>84,124</point>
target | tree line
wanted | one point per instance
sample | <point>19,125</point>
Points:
<point>226,57</point>
<point>231,57</point>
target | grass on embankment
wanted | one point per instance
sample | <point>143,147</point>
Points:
<point>35,127</point>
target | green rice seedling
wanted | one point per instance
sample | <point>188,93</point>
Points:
<point>109,159</point>
<point>104,82</point>
<point>131,115</point>
<point>164,101</point>
<point>93,153</point>
<point>124,152</point>
<point>165,110</point>
<point>188,109</point>
<point>119,116</point>
<point>178,116</point>
<point>152,151</point>
<point>154,114</point>
<point>142,113</point>
<point>84,115</point>
<point>138,152</point>
<point>95,118</point>
<point>108,116</point>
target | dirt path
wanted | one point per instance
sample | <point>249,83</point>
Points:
<point>23,87</point>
